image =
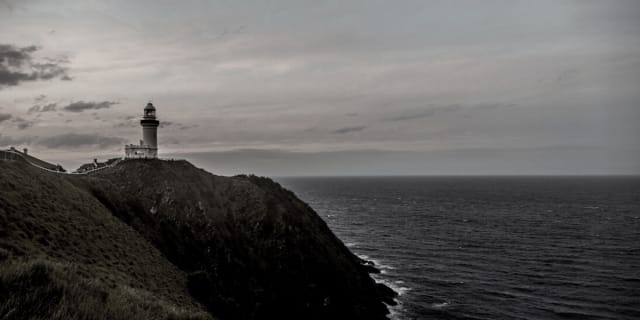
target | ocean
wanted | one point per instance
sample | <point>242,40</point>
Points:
<point>492,247</point>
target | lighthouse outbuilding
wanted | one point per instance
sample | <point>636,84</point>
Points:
<point>148,148</point>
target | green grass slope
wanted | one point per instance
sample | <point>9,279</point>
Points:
<point>63,255</point>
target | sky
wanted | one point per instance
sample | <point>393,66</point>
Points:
<point>360,87</point>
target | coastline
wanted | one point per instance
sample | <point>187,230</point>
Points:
<point>377,271</point>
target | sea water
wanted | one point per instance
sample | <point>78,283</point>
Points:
<point>492,247</point>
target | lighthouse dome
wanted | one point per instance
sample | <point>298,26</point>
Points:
<point>149,111</point>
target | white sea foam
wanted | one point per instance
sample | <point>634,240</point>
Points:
<point>440,305</point>
<point>376,262</point>
<point>397,287</point>
<point>363,256</point>
<point>395,312</point>
<point>382,266</point>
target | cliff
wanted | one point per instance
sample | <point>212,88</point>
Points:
<point>158,239</point>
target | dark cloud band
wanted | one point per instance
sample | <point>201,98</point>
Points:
<point>349,129</point>
<point>81,106</point>
<point>19,122</point>
<point>5,117</point>
<point>17,65</point>
<point>46,108</point>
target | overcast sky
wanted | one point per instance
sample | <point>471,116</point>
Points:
<point>329,87</point>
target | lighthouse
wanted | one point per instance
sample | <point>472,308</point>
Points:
<point>148,147</point>
<point>150,125</point>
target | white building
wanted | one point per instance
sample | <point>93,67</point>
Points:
<point>148,148</point>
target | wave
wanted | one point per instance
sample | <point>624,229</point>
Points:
<point>440,305</point>
<point>376,262</point>
<point>395,312</point>
<point>395,286</point>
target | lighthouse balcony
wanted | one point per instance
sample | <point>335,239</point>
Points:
<point>149,122</point>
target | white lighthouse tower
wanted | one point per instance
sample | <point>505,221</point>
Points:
<point>148,148</point>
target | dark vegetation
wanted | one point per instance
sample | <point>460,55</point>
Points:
<point>151,239</point>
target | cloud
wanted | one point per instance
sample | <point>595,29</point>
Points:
<point>49,107</point>
<point>551,159</point>
<point>126,124</point>
<point>185,127</point>
<point>17,65</point>
<point>46,108</point>
<point>9,4</point>
<point>75,140</point>
<point>349,129</point>
<point>22,123</point>
<point>81,106</point>
<point>179,126</point>
<point>5,117</point>
<point>342,68</point>
<point>435,110</point>
<point>7,141</point>
<point>18,121</point>
<point>424,113</point>
<point>164,124</point>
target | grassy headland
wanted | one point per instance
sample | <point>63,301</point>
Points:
<point>152,239</point>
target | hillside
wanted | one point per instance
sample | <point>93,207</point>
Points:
<point>165,240</point>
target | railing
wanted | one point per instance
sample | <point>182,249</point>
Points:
<point>16,155</point>
<point>8,155</point>
<point>113,164</point>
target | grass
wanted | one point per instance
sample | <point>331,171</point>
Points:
<point>43,289</point>
<point>63,255</point>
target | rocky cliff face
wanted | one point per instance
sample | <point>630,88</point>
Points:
<point>239,248</point>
